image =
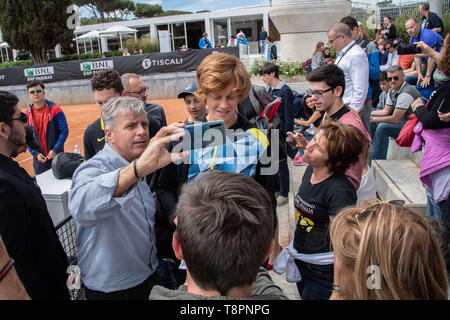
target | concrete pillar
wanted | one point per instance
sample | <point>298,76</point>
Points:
<point>209,30</point>
<point>104,42</point>
<point>265,23</point>
<point>303,23</point>
<point>436,7</point>
<point>153,31</point>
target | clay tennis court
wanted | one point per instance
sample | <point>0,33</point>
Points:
<point>80,116</point>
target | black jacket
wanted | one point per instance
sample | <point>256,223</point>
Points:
<point>29,235</point>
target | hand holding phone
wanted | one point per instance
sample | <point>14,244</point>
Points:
<point>203,134</point>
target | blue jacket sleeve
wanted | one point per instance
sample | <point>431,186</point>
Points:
<point>61,122</point>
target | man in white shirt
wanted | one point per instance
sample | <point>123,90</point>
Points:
<point>353,61</point>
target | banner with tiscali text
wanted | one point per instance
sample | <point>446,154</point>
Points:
<point>84,69</point>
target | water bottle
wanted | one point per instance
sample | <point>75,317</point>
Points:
<point>77,150</point>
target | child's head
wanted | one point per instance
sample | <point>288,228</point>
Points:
<point>384,84</point>
<point>195,107</point>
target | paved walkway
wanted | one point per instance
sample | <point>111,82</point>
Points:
<point>286,221</point>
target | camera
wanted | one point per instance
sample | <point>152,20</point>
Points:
<point>408,49</point>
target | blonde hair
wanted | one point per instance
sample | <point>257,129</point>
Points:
<point>217,71</point>
<point>397,241</point>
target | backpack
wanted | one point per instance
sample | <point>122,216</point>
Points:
<point>65,164</point>
<point>307,65</point>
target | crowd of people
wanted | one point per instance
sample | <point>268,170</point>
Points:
<point>153,221</point>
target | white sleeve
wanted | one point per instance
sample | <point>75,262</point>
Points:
<point>404,101</point>
<point>360,80</point>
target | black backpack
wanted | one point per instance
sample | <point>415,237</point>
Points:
<point>65,164</point>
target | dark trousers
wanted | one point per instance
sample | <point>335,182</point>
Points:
<point>283,175</point>
<point>317,281</point>
<point>140,292</point>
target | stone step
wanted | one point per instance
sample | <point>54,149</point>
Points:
<point>399,179</point>
<point>401,153</point>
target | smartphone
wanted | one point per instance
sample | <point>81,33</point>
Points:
<point>203,134</point>
<point>408,49</point>
<point>291,141</point>
<point>444,107</point>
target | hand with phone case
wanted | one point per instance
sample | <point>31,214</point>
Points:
<point>202,135</point>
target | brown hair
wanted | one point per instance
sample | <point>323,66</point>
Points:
<point>344,145</point>
<point>217,71</point>
<point>443,62</point>
<point>224,230</point>
<point>107,79</point>
<point>393,239</point>
<point>318,48</point>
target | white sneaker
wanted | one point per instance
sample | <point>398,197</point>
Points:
<point>281,201</point>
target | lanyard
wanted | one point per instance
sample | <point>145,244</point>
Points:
<point>345,52</point>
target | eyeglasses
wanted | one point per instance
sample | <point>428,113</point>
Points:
<point>393,78</point>
<point>140,92</point>
<point>22,117</point>
<point>35,91</point>
<point>332,41</point>
<point>317,93</point>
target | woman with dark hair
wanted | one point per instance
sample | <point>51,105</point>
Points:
<point>324,191</point>
<point>435,133</point>
<point>308,127</point>
<point>391,31</point>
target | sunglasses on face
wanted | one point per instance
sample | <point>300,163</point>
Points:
<point>393,78</point>
<point>35,91</point>
<point>22,117</point>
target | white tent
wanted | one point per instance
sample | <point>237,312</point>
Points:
<point>95,34</point>
<point>119,30</point>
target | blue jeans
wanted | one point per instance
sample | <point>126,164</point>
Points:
<point>317,281</point>
<point>433,209</point>
<point>380,137</point>
<point>262,46</point>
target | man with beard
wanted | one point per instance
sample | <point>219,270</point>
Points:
<point>25,224</point>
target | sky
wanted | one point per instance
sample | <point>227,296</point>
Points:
<point>198,5</point>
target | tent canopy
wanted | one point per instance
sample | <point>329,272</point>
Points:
<point>118,29</point>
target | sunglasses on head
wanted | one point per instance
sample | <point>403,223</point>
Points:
<point>22,117</point>
<point>35,91</point>
<point>393,78</point>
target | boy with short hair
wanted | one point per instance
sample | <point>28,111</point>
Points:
<point>195,107</point>
<point>224,234</point>
<point>385,86</point>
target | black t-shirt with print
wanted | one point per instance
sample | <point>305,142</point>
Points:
<point>314,203</point>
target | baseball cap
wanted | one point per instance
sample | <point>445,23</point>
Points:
<point>190,89</point>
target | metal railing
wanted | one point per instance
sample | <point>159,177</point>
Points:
<point>66,234</point>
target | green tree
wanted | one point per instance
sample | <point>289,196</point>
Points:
<point>35,25</point>
<point>104,10</point>
<point>145,10</point>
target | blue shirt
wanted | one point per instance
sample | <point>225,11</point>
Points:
<point>204,43</point>
<point>115,237</point>
<point>430,37</point>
